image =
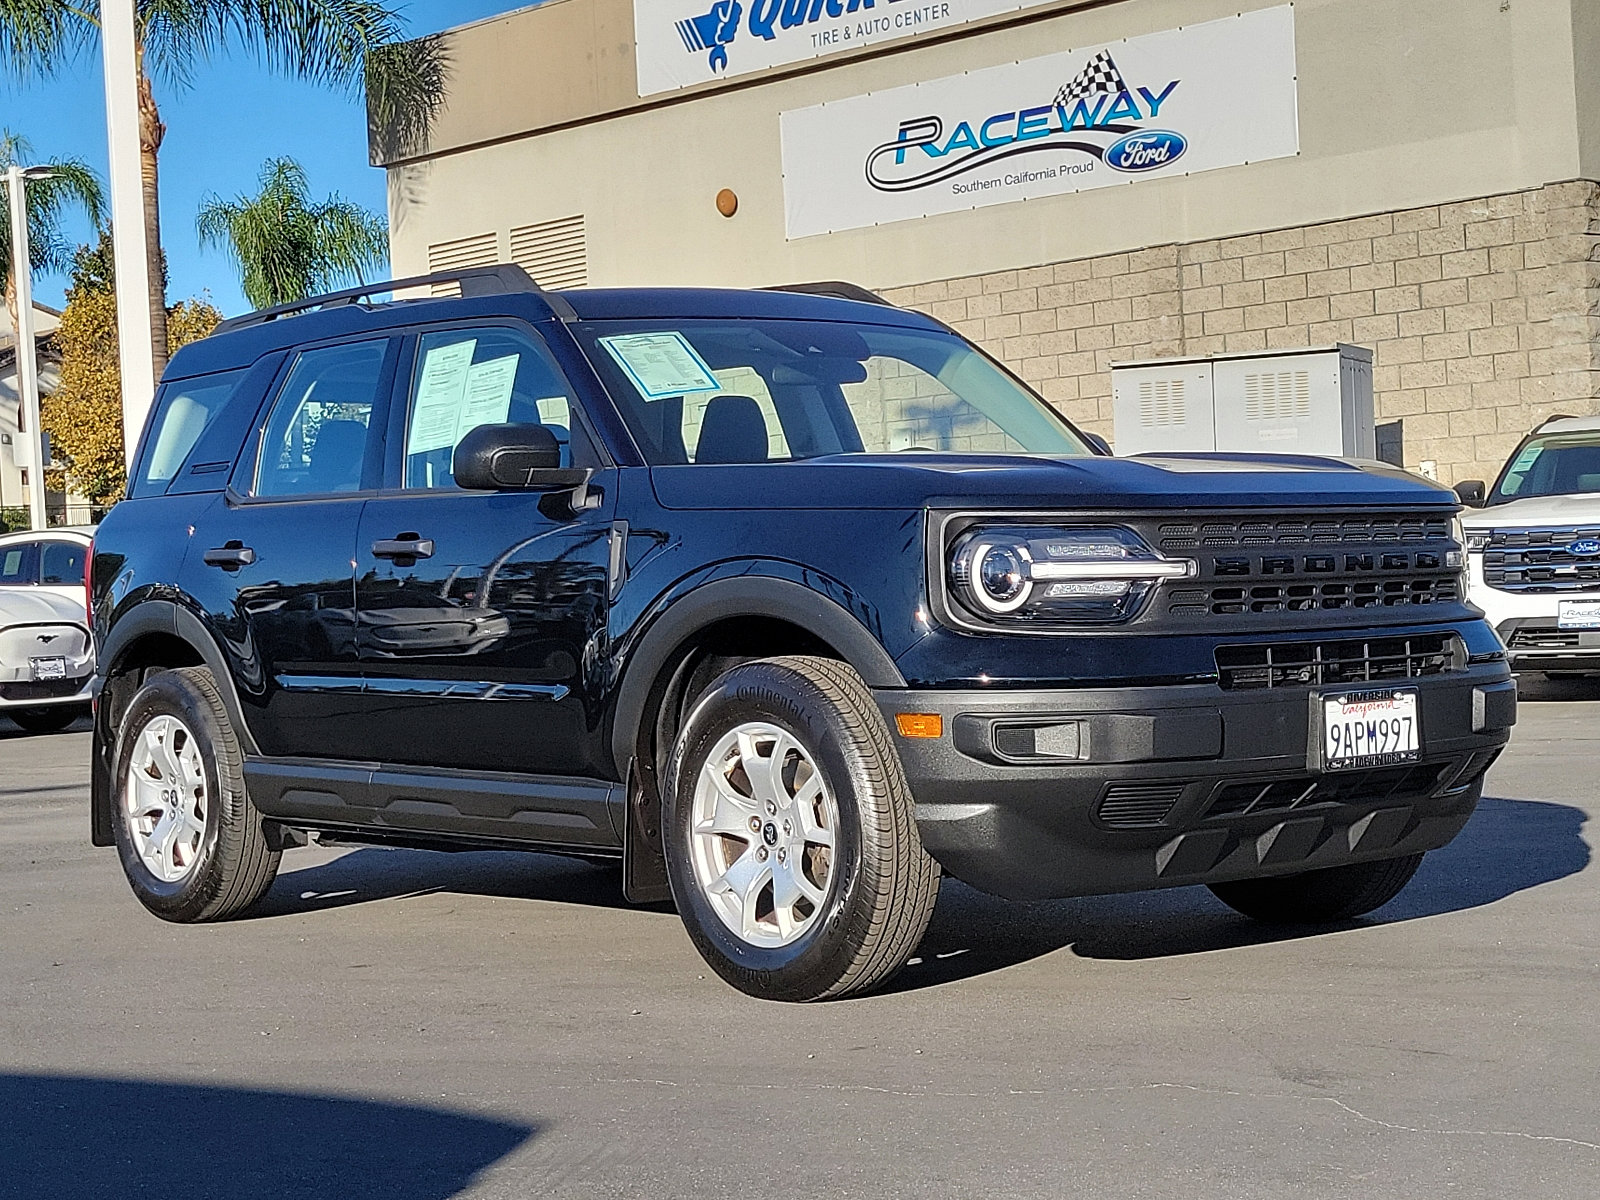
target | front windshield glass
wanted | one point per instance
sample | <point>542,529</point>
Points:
<point>1557,465</point>
<point>748,391</point>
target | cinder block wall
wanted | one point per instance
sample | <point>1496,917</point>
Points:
<point>1483,315</point>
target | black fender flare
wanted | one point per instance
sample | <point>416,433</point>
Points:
<point>151,616</point>
<point>740,596</point>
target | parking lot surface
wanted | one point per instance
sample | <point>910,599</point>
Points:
<point>417,1026</point>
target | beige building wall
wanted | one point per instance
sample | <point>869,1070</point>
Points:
<point>1461,113</point>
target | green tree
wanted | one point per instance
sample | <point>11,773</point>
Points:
<point>338,43</point>
<point>285,246</point>
<point>70,184</point>
<point>84,414</point>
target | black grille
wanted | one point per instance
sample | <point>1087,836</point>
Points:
<point>1314,597</point>
<point>1278,795</point>
<point>1365,660</point>
<point>1539,560</point>
<point>1378,529</point>
<point>1545,639</point>
<point>50,689</point>
<point>1133,805</point>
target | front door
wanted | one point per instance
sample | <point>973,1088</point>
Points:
<point>482,616</point>
<point>272,561</point>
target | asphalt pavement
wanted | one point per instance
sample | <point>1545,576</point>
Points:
<point>416,1026</point>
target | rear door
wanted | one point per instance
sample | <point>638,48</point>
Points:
<point>483,647</point>
<point>272,559</point>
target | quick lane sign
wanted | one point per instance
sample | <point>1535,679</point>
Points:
<point>683,42</point>
<point>1193,99</point>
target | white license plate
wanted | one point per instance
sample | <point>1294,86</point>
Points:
<point>1370,729</point>
<point>48,668</point>
<point>1578,614</point>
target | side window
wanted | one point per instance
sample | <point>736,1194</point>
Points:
<point>315,439</point>
<point>488,376</point>
<point>183,410</point>
<point>61,562</point>
<point>19,564</point>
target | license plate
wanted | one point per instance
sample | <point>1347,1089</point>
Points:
<point>1578,614</point>
<point>48,668</point>
<point>1370,729</point>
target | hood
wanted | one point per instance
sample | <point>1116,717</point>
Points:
<point>1564,511</point>
<point>38,606</point>
<point>902,481</point>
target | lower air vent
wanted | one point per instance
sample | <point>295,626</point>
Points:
<point>1137,805</point>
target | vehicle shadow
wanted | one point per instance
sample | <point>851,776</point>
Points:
<point>11,731</point>
<point>79,1138</point>
<point>374,873</point>
<point>1534,687</point>
<point>1509,846</point>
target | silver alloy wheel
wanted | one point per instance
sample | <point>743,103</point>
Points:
<point>165,798</point>
<point>762,834</point>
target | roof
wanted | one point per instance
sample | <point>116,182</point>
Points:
<point>1570,425</point>
<point>242,340</point>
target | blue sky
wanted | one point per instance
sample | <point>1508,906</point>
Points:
<point>220,129</point>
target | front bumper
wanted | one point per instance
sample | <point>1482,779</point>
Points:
<point>1154,787</point>
<point>1529,625</point>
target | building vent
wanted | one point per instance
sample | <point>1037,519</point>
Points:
<point>1161,403</point>
<point>553,252</point>
<point>481,250</point>
<point>1277,396</point>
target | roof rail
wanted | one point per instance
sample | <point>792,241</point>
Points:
<point>836,288</point>
<point>498,280</point>
<point>1549,419</point>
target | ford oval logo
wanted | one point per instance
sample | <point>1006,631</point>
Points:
<point>1584,547</point>
<point>1146,150</point>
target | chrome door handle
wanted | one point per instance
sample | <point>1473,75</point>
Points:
<point>405,546</point>
<point>230,557</point>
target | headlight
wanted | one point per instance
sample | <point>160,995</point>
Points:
<point>1042,574</point>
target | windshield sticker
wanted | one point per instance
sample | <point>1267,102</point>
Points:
<point>1524,460</point>
<point>661,364</point>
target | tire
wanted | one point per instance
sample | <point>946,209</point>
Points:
<point>857,897</point>
<point>216,862</point>
<point>52,719</point>
<point>1317,897</point>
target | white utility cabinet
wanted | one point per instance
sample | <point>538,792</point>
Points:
<point>1313,401</point>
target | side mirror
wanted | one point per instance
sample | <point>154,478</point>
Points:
<point>513,458</point>
<point>1098,442</point>
<point>1471,492</point>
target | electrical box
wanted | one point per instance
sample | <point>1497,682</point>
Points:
<point>1313,401</point>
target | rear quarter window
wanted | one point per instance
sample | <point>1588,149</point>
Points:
<point>184,409</point>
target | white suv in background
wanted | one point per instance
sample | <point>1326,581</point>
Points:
<point>1533,542</point>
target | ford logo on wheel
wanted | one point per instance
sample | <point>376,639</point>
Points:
<point>1146,150</point>
<point>1584,547</point>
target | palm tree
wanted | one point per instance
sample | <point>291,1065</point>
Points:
<point>287,248</point>
<point>340,43</point>
<point>70,184</point>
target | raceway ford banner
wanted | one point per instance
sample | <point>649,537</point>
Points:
<point>1193,99</point>
<point>683,42</point>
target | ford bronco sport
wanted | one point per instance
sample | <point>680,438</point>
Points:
<point>787,601</point>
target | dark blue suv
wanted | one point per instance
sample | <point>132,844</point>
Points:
<point>788,600</point>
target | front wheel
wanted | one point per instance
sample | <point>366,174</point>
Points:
<point>791,845</point>
<point>192,845</point>
<point>1317,897</point>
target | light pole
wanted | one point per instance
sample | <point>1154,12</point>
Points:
<point>135,339</point>
<point>28,448</point>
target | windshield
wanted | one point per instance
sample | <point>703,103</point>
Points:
<point>749,391</point>
<point>1557,465</point>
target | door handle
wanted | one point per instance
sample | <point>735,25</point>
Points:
<point>407,545</point>
<point>230,556</point>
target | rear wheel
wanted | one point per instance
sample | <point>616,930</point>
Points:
<point>790,840</point>
<point>53,719</point>
<point>191,843</point>
<point>1316,897</point>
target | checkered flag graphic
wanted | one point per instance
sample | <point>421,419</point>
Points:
<point>1101,75</point>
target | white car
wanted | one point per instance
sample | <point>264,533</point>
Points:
<point>46,651</point>
<point>1533,542</point>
